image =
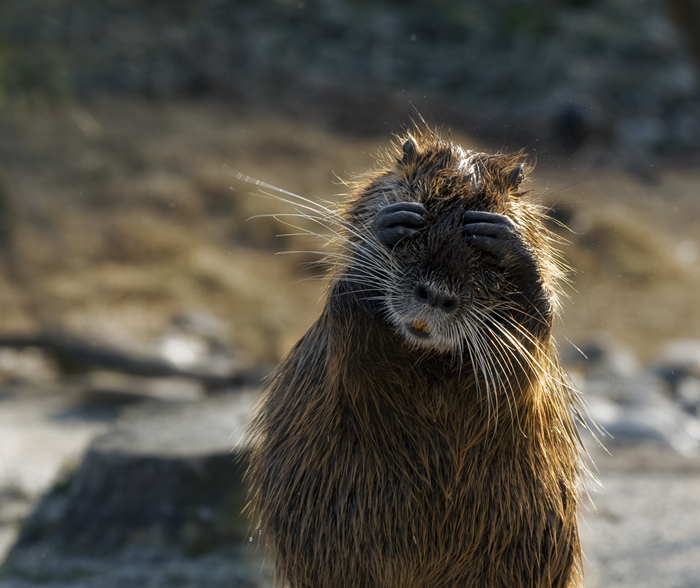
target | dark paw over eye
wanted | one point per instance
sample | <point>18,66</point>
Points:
<point>497,237</point>
<point>398,221</point>
<point>494,234</point>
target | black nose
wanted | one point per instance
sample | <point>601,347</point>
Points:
<point>435,297</point>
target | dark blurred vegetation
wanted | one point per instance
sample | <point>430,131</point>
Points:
<point>615,72</point>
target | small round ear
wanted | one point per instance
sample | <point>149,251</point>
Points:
<point>514,178</point>
<point>410,151</point>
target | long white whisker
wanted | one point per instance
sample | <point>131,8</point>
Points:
<point>246,178</point>
<point>498,359</point>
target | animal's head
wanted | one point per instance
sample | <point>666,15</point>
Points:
<point>439,238</point>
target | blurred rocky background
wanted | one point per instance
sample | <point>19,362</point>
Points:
<point>140,309</point>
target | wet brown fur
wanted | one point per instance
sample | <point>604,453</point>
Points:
<point>381,464</point>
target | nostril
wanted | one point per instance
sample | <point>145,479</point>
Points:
<point>432,296</point>
<point>422,293</point>
<point>449,304</point>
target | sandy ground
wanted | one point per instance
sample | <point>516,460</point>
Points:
<point>646,531</point>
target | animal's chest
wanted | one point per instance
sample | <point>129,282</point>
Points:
<point>420,502</point>
<point>408,492</point>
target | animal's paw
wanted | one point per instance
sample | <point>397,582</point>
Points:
<point>399,221</point>
<point>495,235</point>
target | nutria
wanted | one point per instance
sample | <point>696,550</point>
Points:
<point>421,434</point>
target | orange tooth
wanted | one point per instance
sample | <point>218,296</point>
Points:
<point>421,325</point>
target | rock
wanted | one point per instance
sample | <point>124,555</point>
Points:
<point>688,395</point>
<point>634,405</point>
<point>678,365</point>
<point>215,368</point>
<point>15,504</point>
<point>195,341</point>
<point>165,477</point>
<point>114,388</point>
<point>684,352</point>
<point>631,425</point>
<point>636,410</point>
<point>27,364</point>
<point>601,359</point>
<point>677,360</point>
